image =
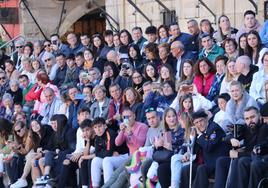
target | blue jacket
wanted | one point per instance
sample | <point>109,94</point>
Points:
<point>212,144</point>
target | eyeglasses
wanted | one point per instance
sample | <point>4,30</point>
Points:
<point>2,78</point>
<point>47,45</point>
<point>136,77</point>
<point>49,59</point>
<point>19,46</point>
<point>149,110</point>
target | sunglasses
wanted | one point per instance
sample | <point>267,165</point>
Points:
<point>49,59</point>
<point>19,130</point>
<point>149,110</point>
<point>48,45</point>
<point>2,78</point>
<point>19,46</point>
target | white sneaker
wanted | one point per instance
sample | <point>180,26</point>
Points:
<point>19,183</point>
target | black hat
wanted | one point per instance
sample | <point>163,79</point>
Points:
<point>264,110</point>
<point>71,56</point>
<point>199,114</point>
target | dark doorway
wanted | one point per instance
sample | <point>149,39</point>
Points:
<point>90,23</point>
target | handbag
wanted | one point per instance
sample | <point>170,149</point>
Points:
<point>162,155</point>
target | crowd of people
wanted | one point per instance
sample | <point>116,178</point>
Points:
<point>162,109</point>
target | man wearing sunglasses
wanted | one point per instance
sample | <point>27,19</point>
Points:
<point>16,57</point>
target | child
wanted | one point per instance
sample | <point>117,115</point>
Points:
<point>186,104</point>
<point>104,147</point>
<point>220,116</point>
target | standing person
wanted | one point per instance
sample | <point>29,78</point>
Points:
<point>61,71</point>
<point>163,35</point>
<point>16,57</point>
<point>72,72</point>
<point>194,30</point>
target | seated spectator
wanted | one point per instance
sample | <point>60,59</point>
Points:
<point>208,146</point>
<point>161,97</point>
<point>26,86</point>
<point>85,160</point>
<point>165,55</point>
<point>220,64</point>
<point>5,149</point>
<point>132,133</point>
<point>254,48</point>
<point>257,88</point>
<point>109,75</point>
<point>89,59</point>
<point>72,73</point>
<point>137,37</point>
<point>210,50</point>
<point>150,72</point>
<point>83,80</point>
<point>231,75</point>
<point>132,99</point>
<point>4,83</point>
<point>204,76</point>
<point>253,133</point>
<point>15,91</point>
<point>22,148</point>
<point>124,78</point>
<point>51,106</point>
<point>171,140</point>
<point>137,80</point>
<point>101,106</point>
<point>7,107</point>
<point>206,27</point>
<point>115,107</point>
<point>58,47</point>
<point>187,72</point>
<point>219,117</point>
<point>242,44</point>
<point>94,76</point>
<point>104,147</point>
<point>240,100</point>
<point>199,101</point>
<point>40,137</point>
<point>163,34</point>
<point>178,51</point>
<point>88,97</point>
<point>71,162</point>
<point>135,57</point>
<point>79,60</point>
<point>250,24</point>
<point>61,71</point>
<point>74,45</point>
<point>98,44</point>
<point>51,66</point>
<point>166,73</point>
<point>245,70</point>
<point>230,47</point>
<point>224,30</point>
<point>194,30</point>
<point>28,69</point>
<point>151,54</point>
<point>11,71</point>
<point>63,140</point>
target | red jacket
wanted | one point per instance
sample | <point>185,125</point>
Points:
<point>203,84</point>
<point>34,94</point>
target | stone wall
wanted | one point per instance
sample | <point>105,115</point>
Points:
<point>47,13</point>
<point>185,9</point>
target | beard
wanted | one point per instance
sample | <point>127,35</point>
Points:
<point>252,127</point>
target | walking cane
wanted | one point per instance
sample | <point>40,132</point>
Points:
<point>190,148</point>
<point>230,166</point>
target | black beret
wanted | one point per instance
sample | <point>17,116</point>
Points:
<point>199,114</point>
<point>264,110</point>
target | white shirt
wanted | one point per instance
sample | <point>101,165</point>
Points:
<point>178,68</point>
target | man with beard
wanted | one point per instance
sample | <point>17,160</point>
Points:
<point>254,133</point>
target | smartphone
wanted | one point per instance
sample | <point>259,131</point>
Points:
<point>126,121</point>
<point>79,96</point>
